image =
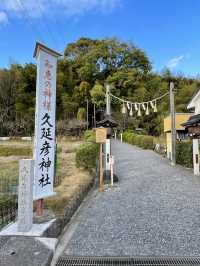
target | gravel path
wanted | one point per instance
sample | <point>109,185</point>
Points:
<point>153,210</point>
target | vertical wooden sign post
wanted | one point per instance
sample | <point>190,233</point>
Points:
<point>44,143</point>
<point>101,135</point>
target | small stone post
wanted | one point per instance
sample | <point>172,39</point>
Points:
<point>25,195</point>
<point>107,153</point>
<point>121,135</point>
<point>111,168</point>
<point>196,156</point>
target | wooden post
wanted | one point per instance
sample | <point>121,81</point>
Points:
<point>101,168</point>
<point>87,115</point>
<point>39,207</point>
<point>173,125</point>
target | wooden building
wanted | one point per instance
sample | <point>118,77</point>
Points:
<point>181,132</point>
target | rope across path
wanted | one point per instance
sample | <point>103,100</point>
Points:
<point>153,210</point>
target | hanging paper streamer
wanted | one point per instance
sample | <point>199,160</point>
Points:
<point>153,105</point>
<point>123,109</point>
<point>128,105</point>
<point>139,110</point>
<point>155,108</point>
<point>131,111</point>
<point>147,109</point>
<point>143,106</point>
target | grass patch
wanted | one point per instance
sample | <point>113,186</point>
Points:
<point>15,151</point>
<point>72,179</point>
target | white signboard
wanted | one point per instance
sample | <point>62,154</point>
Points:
<point>44,153</point>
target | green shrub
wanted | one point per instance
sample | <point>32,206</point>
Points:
<point>86,155</point>
<point>15,151</point>
<point>143,141</point>
<point>89,136</point>
<point>184,153</point>
<point>138,140</point>
<point>146,142</point>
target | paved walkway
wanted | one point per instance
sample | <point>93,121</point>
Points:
<point>153,210</point>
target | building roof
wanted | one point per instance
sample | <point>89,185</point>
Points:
<point>192,121</point>
<point>41,46</point>
<point>108,121</point>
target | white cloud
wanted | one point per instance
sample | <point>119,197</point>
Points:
<point>175,61</point>
<point>68,7</point>
<point>3,18</point>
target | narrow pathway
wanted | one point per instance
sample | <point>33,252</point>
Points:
<point>153,210</point>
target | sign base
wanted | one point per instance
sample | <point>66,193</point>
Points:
<point>36,230</point>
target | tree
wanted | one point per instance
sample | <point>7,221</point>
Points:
<point>98,95</point>
<point>97,59</point>
<point>81,114</point>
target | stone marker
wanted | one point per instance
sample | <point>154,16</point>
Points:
<point>25,195</point>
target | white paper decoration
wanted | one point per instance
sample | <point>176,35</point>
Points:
<point>147,109</point>
<point>128,105</point>
<point>139,110</point>
<point>143,106</point>
<point>123,108</point>
<point>153,105</point>
<point>131,111</point>
<point>136,106</point>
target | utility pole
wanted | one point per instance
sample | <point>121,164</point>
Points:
<point>107,99</point>
<point>87,113</point>
<point>173,125</point>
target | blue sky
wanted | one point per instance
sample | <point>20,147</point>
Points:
<point>168,30</point>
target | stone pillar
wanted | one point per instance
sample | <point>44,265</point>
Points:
<point>25,195</point>
<point>121,136</point>
<point>196,156</point>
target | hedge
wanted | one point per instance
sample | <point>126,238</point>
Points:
<point>184,153</point>
<point>87,153</point>
<point>143,141</point>
<point>183,148</point>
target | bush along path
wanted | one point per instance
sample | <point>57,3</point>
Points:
<point>183,148</point>
<point>153,210</point>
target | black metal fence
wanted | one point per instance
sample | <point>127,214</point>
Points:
<point>8,200</point>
